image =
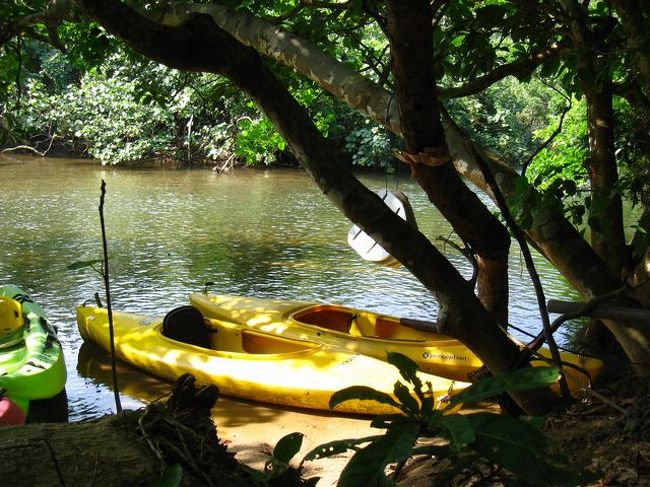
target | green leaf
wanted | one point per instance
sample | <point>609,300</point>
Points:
<point>515,380</point>
<point>490,14</point>
<point>458,40</point>
<point>82,264</point>
<point>458,429</point>
<point>361,393</point>
<point>171,476</point>
<point>367,467</point>
<point>337,447</point>
<point>287,447</point>
<point>520,448</point>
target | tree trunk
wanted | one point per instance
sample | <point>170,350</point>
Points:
<point>606,212</point>
<point>410,33</point>
<point>112,454</point>
<point>559,241</point>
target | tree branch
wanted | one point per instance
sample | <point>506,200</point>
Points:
<point>519,69</point>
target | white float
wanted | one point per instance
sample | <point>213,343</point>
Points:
<point>364,245</point>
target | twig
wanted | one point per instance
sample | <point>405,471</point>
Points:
<point>111,329</point>
<point>25,147</point>
<point>30,148</point>
<point>465,252</point>
<point>602,398</point>
<point>546,143</point>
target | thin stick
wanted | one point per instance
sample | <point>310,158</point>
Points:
<point>116,391</point>
<point>530,265</point>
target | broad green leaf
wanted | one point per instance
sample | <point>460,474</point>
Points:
<point>288,446</point>
<point>361,393</point>
<point>337,447</point>
<point>367,466</point>
<point>515,380</point>
<point>457,428</point>
<point>520,448</point>
<point>82,264</point>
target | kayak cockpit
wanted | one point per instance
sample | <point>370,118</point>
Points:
<point>187,325</point>
<point>355,323</point>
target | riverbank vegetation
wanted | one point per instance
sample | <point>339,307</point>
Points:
<point>543,106</point>
<point>104,101</point>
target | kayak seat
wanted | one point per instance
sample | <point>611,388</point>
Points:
<point>185,324</point>
<point>12,322</point>
<point>386,328</point>
<point>329,317</point>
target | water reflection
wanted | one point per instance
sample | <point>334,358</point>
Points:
<point>261,233</point>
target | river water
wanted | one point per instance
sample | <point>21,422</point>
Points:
<point>266,233</point>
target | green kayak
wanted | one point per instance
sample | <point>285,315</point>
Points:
<point>32,367</point>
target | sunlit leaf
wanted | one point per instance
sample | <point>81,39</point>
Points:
<point>361,393</point>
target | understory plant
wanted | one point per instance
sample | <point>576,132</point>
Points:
<point>433,427</point>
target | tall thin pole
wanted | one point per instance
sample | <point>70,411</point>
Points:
<point>116,391</point>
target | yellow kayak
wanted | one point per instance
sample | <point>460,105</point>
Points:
<point>244,362</point>
<point>366,333</point>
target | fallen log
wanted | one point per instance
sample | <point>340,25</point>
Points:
<point>132,448</point>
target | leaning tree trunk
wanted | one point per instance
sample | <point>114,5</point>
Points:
<point>559,240</point>
<point>199,44</point>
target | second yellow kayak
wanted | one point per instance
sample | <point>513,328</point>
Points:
<point>367,333</point>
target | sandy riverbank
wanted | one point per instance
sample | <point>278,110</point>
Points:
<point>252,430</point>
